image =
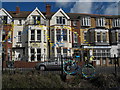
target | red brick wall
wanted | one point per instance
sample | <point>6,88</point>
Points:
<point>22,64</point>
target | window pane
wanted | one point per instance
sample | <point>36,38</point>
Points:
<point>5,20</point>
<point>64,35</point>
<point>57,20</point>
<point>63,20</point>
<point>58,33</point>
<point>32,57</point>
<point>58,50</point>
<point>38,57</point>
<point>104,37</point>
<point>98,37</point>
<point>32,31</point>
<point>39,51</point>
<point>32,51</point>
<point>39,35</point>
<point>38,18</point>
<point>60,20</point>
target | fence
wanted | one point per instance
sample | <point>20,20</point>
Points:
<point>23,66</point>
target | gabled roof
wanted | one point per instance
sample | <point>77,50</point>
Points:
<point>60,10</point>
<point>7,13</point>
<point>36,9</point>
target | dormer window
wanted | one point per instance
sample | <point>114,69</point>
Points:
<point>100,22</point>
<point>36,20</point>
<point>116,22</point>
<point>60,20</point>
<point>86,21</point>
<point>4,19</point>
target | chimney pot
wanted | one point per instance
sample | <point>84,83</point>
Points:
<point>48,7</point>
<point>17,10</point>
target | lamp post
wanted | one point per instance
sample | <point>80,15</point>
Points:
<point>115,65</point>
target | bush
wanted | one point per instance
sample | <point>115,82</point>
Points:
<point>105,81</point>
<point>49,80</point>
<point>32,81</point>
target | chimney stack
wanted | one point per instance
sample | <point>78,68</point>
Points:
<point>48,7</point>
<point>17,10</point>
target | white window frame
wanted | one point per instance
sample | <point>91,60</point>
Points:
<point>86,21</point>
<point>116,22</point>
<point>100,22</point>
<point>60,22</point>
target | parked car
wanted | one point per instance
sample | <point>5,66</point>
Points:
<point>48,65</point>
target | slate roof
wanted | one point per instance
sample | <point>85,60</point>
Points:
<point>24,14</point>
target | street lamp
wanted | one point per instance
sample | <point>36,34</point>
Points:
<point>115,58</point>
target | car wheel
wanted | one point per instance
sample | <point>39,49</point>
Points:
<point>42,68</point>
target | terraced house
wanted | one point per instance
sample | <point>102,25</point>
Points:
<point>38,36</point>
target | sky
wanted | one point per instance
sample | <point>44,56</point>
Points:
<point>107,8</point>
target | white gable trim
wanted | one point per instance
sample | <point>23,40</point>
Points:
<point>60,10</point>
<point>6,12</point>
<point>36,9</point>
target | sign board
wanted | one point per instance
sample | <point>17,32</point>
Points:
<point>114,51</point>
<point>35,44</point>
